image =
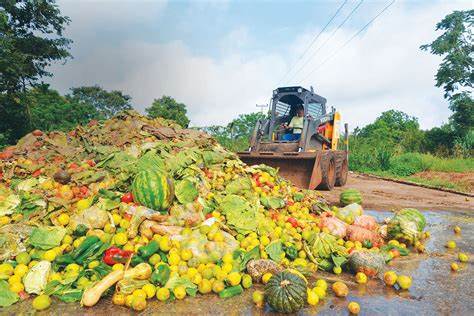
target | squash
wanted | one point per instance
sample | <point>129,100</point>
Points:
<point>369,262</point>
<point>286,292</point>
<point>154,190</point>
<point>350,196</point>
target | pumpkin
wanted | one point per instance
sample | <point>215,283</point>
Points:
<point>286,292</point>
<point>350,196</point>
<point>154,190</point>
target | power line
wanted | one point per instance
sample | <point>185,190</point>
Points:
<point>313,41</point>
<point>348,41</point>
<point>328,38</point>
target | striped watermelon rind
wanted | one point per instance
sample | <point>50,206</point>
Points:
<point>350,196</point>
<point>154,190</point>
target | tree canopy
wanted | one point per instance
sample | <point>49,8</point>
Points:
<point>106,103</point>
<point>168,108</point>
<point>456,73</point>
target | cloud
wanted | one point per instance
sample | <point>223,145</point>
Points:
<point>381,69</point>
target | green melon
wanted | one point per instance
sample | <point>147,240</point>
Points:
<point>285,292</point>
<point>154,190</point>
<point>350,196</point>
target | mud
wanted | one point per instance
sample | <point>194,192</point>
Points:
<point>435,290</point>
<point>386,195</point>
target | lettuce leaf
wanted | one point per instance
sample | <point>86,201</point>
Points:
<point>7,297</point>
<point>275,250</point>
<point>240,215</point>
<point>46,237</point>
<point>186,191</point>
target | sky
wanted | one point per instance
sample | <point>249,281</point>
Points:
<point>222,58</point>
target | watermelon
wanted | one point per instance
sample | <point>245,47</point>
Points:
<point>350,196</point>
<point>154,190</point>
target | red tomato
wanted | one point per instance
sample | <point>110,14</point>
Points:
<point>37,132</point>
<point>73,165</point>
<point>292,221</point>
<point>84,190</point>
<point>209,215</point>
<point>290,202</point>
<point>1,175</point>
<point>127,197</point>
<point>37,173</point>
<point>127,216</point>
<point>91,162</point>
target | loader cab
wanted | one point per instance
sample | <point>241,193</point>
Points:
<point>285,102</point>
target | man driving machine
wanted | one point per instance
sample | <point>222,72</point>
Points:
<point>295,128</point>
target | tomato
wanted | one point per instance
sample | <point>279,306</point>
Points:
<point>84,190</point>
<point>38,144</point>
<point>73,165</point>
<point>6,155</point>
<point>127,197</point>
<point>209,215</point>
<point>1,175</point>
<point>292,221</point>
<point>290,202</point>
<point>36,173</point>
<point>90,162</point>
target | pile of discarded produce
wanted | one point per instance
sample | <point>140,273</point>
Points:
<point>140,209</point>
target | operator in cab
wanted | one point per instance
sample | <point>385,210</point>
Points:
<point>296,125</point>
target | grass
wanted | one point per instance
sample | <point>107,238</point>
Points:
<point>407,166</point>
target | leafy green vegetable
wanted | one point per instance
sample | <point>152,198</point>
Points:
<point>272,202</point>
<point>275,250</point>
<point>240,215</point>
<point>175,281</point>
<point>185,191</point>
<point>63,291</point>
<point>8,205</point>
<point>150,160</point>
<point>27,185</point>
<point>37,277</point>
<point>239,186</point>
<point>7,297</point>
<point>46,237</point>
<point>243,257</point>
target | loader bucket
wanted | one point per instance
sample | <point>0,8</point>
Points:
<point>302,169</point>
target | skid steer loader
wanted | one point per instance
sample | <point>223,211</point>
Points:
<point>314,160</point>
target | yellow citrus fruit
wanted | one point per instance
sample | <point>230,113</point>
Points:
<point>322,284</point>
<point>266,277</point>
<point>163,294</point>
<point>205,286</point>
<point>454,266</point>
<point>179,292</point>
<point>21,269</point>
<point>390,278</point>
<point>41,302</point>
<point>354,308</point>
<point>149,289</point>
<point>463,257</point>
<point>340,289</point>
<point>258,298</point>
<point>320,292</point>
<point>404,282</point>
<point>361,278</point>
<point>63,219</point>
<point>118,299</point>
<point>234,278</point>
<point>451,244</point>
<point>138,303</point>
<point>313,298</point>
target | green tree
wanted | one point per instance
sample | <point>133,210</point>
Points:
<point>167,107</point>
<point>31,39</point>
<point>244,124</point>
<point>106,103</point>
<point>456,72</point>
<point>51,111</point>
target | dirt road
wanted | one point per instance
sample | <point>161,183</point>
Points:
<point>386,195</point>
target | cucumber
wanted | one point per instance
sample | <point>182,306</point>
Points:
<point>231,291</point>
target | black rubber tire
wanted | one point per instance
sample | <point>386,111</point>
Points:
<point>328,171</point>
<point>342,169</point>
